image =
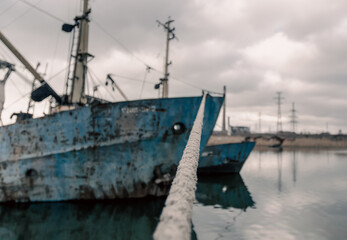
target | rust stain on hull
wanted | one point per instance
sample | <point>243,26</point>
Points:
<point>99,152</point>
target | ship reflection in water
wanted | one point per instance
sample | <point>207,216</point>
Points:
<point>299,194</point>
<point>224,191</point>
<point>135,219</point>
<point>87,220</point>
<point>275,188</point>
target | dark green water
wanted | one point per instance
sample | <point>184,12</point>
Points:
<point>279,195</point>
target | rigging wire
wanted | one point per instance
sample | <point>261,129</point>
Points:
<point>119,42</point>
<point>20,16</point>
<point>56,74</point>
<point>140,60</point>
<point>101,84</point>
<point>5,54</point>
<point>143,62</point>
<point>7,9</point>
<point>16,87</point>
<point>25,95</point>
<point>17,100</point>
<point>107,33</point>
<point>55,53</point>
<point>133,79</point>
<point>42,10</point>
<point>190,84</point>
<point>148,69</point>
<point>194,86</point>
<point>23,77</point>
<point>95,85</point>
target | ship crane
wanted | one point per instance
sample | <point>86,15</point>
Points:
<point>114,84</point>
<point>44,90</point>
<point>10,68</point>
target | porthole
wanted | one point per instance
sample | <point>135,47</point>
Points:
<point>31,173</point>
<point>178,128</point>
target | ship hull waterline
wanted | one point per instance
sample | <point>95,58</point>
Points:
<point>107,151</point>
<point>224,158</point>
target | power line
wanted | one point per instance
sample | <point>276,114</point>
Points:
<point>279,99</point>
<point>259,130</point>
<point>293,117</point>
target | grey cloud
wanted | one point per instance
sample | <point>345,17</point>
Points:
<point>213,36</point>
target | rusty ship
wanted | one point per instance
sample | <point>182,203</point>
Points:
<point>225,158</point>
<point>89,148</point>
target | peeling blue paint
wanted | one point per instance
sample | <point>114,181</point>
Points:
<point>105,151</point>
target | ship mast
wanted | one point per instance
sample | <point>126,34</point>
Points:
<point>169,36</point>
<point>80,68</point>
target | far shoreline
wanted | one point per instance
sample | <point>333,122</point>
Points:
<point>291,141</point>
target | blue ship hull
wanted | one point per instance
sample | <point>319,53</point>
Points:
<point>106,151</point>
<point>224,158</point>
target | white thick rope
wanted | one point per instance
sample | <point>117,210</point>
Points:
<point>175,219</point>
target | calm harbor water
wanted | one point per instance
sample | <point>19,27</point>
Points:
<point>278,195</point>
<point>296,194</point>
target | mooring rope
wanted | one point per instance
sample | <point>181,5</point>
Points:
<point>175,219</point>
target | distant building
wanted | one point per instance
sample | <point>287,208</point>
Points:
<point>221,133</point>
<point>238,130</point>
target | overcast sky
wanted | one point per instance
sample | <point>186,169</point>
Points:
<point>255,48</point>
